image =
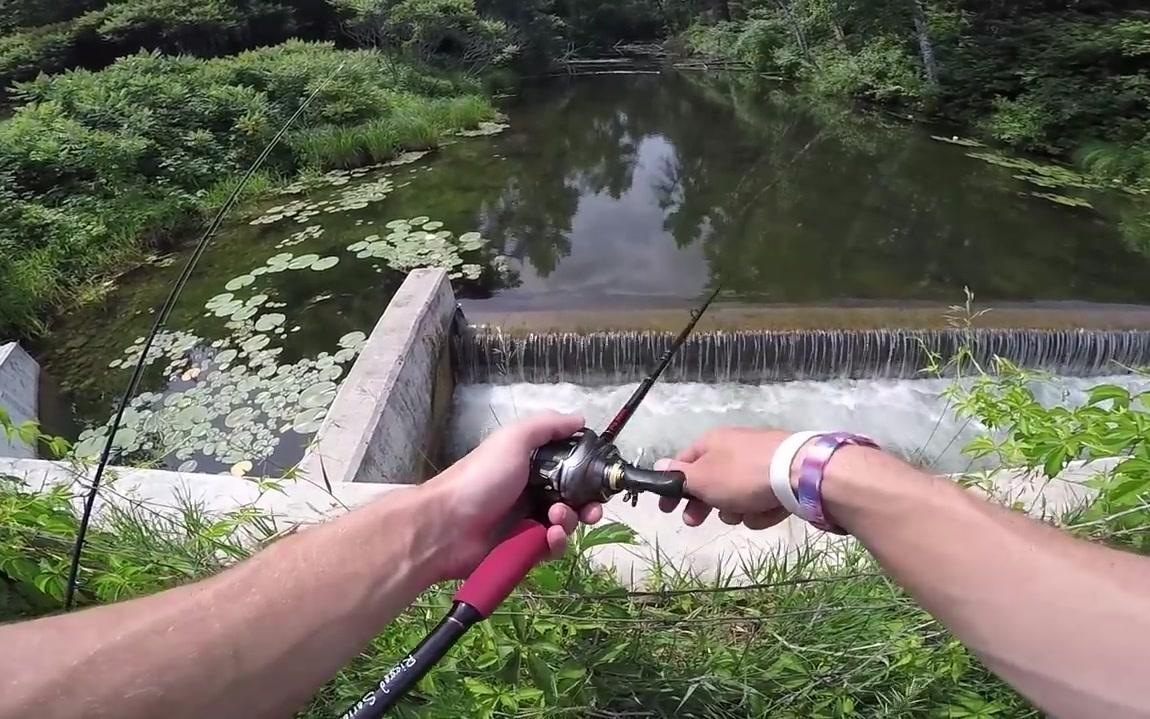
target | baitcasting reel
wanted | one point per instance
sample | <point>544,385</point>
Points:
<point>584,468</point>
<point>587,468</point>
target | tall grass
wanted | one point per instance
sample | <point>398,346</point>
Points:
<point>414,123</point>
<point>817,634</point>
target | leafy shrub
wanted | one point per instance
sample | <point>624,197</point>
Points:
<point>764,44</point>
<point>1113,422</point>
<point>711,40</point>
<point>94,34</point>
<point>1020,122</point>
<point>96,162</point>
<point>448,33</point>
<point>882,70</point>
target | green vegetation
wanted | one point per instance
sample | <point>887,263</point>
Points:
<point>98,164</point>
<point>132,146</point>
<point>1058,78</point>
<point>820,634</point>
<point>50,36</point>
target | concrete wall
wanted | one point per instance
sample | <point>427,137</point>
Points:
<point>19,392</point>
<point>389,410</point>
<point>300,502</point>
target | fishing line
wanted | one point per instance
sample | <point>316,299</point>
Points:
<point>158,325</point>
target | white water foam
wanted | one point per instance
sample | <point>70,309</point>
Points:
<point>905,416</point>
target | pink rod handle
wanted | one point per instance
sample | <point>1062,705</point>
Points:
<point>505,567</point>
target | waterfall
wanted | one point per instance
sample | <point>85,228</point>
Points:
<point>485,355</point>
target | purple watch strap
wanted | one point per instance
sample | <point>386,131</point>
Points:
<point>811,470</point>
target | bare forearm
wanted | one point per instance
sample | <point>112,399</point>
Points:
<point>257,640</point>
<point>1063,620</point>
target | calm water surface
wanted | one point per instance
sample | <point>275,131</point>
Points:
<point>629,189</point>
<point>639,190</point>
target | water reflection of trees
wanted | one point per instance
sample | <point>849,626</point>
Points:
<point>794,200</point>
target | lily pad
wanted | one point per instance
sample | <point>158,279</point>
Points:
<point>1063,199</point>
<point>319,394</point>
<point>226,357</point>
<point>218,300</point>
<point>255,343</point>
<point>244,314</point>
<point>353,340</point>
<point>239,283</point>
<point>269,322</point>
<point>302,262</point>
<point>239,417</point>
<point>308,421</point>
<point>324,263</point>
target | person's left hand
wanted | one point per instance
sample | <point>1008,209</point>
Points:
<point>478,495</point>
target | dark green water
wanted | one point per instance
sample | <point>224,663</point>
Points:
<point>634,188</point>
<point>618,190</point>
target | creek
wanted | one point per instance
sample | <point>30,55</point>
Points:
<point>616,191</point>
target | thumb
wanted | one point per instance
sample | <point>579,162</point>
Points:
<point>665,465</point>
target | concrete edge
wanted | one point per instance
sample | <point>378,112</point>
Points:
<point>19,395</point>
<point>378,427</point>
<point>299,502</point>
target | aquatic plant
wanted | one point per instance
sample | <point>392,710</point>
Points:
<point>421,242</point>
<point>231,399</point>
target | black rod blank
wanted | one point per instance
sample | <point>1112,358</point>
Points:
<point>633,402</point>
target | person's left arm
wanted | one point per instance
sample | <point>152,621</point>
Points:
<point>260,638</point>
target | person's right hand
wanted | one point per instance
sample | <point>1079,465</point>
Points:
<point>729,469</point>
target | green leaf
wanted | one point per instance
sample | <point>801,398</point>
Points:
<point>1128,489</point>
<point>613,652</point>
<point>544,677</point>
<point>611,533</point>
<point>478,688</point>
<point>1055,461</point>
<point>28,432</point>
<point>1101,393</point>
<point>547,578</point>
<point>687,696</point>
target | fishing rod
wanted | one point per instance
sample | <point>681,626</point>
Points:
<point>586,467</point>
<point>158,325</point>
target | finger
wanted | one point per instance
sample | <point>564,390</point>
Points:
<point>668,504</point>
<point>544,428</point>
<point>693,452</point>
<point>670,465</point>
<point>563,516</point>
<point>696,512</point>
<point>592,513</point>
<point>731,518</point>
<point>556,541</point>
<point>764,520</point>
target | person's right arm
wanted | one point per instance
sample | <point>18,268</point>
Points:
<point>1064,621</point>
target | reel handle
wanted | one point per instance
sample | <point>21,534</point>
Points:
<point>670,483</point>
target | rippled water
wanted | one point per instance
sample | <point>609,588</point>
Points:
<point>907,417</point>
